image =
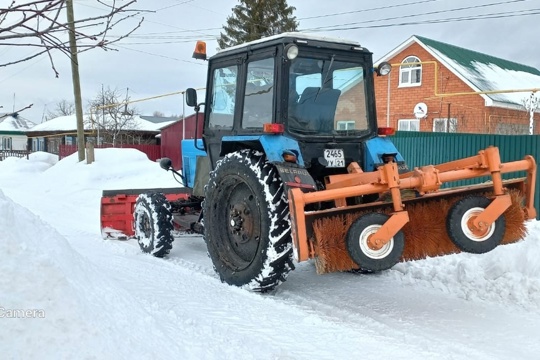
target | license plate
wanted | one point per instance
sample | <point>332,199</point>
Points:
<point>334,158</point>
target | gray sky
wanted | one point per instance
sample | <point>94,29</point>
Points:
<point>157,58</point>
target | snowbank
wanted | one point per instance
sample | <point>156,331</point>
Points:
<point>509,274</point>
<point>31,280</point>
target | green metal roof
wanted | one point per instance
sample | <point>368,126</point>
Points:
<point>486,72</point>
<point>466,57</point>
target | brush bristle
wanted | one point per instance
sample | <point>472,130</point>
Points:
<point>425,233</point>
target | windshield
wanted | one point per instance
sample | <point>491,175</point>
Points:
<point>327,97</point>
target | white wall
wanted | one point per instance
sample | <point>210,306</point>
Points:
<point>18,142</point>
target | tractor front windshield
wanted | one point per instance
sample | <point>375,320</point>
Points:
<point>327,97</point>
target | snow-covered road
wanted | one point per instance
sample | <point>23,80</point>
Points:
<point>107,300</point>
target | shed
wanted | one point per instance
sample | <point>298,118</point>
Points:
<point>173,134</point>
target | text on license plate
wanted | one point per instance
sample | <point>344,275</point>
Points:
<point>334,158</point>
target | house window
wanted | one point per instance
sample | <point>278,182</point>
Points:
<point>443,125</point>
<point>6,143</point>
<point>511,129</point>
<point>409,125</point>
<point>410,73</point>
<point>345,125</point>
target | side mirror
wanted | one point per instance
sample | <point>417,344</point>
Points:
<point>165,163</point>
<point>191,97</point>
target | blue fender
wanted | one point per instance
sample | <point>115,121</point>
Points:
<point>376,148</point>
<point>274,146</point>
<point>189,159</point>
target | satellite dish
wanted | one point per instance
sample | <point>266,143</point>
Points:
<point>420,111</point>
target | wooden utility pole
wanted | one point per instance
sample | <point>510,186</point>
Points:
<point>76,79</point>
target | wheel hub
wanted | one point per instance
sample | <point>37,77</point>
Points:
<point>144,225</point>
<point>478,233</point>
<point>243,222</point>
<point>373,247</point>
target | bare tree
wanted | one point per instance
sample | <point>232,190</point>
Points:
<point>39,24</point>
<point>62,108</point>
<point>112,117</point>
<point>531,103</point>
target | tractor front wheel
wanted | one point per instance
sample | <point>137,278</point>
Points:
<point>465,235</point>
<point>371,258</point>
<point>153,224</point>
<point>246,222</point>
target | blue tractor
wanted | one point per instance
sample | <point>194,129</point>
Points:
<point>288,117</point>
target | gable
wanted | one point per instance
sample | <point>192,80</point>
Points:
<point>486,72</point>
<point>480,71</point>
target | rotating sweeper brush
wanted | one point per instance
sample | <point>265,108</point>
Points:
<point>414,218</point>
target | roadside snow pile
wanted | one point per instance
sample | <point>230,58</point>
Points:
<point>36,163</point>
<point>109,171</point>
<point>509,274</point>
<point>55,304</point>
<point>32,281</point>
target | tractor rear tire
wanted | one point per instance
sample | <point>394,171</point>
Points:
<point>464,236</point>
<point>368,259</point>
<point>153,224</point>
<point>246,222</point>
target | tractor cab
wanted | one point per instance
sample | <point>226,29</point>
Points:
<point>314,92</point>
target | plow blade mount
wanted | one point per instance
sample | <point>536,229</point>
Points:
<point>413,218</point>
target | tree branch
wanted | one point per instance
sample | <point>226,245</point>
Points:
<point>38,24</point>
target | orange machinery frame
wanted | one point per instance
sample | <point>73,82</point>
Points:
<point>425,180</point>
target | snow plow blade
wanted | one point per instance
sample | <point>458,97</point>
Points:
<point>116,211</point>
<point>413,218</point>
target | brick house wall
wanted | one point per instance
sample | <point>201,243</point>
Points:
<point>351,106</point>
<point>469,110</point>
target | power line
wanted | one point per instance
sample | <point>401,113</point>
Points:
<point>170,6</point>
<point>438,21</point>
<point>425,13</point>
<point>367,10</point>
<point>158,55</point>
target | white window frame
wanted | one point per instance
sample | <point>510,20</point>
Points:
<point>444,122</point>
<point>409,70</point>
<point>7,143</point>
<point>346,125</point>
<point>405,124</point>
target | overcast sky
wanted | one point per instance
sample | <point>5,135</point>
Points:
<point>156,59</point>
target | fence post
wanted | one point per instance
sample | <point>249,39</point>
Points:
<point>89,152</point>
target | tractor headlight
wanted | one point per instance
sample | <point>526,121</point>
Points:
<point>291,51</point>
<point>384,68</point>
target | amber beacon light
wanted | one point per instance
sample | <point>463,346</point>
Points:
<point>200,50</point>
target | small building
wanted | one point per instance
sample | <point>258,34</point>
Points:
<point>13,129</point>
<point>62,130</point>
<point>440,87</point>
<point>173,134</point>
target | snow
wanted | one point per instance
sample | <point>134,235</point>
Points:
<point>491,77</point>
<point>10,123</point>
<point>298,35</point>
<point>69,123</point>
<point>104,299</point>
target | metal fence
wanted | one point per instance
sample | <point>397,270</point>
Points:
<point>419,148</point>
<point>13,153</point>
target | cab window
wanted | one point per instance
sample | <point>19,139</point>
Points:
<point>259,95</point>
<point>224,81</point>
